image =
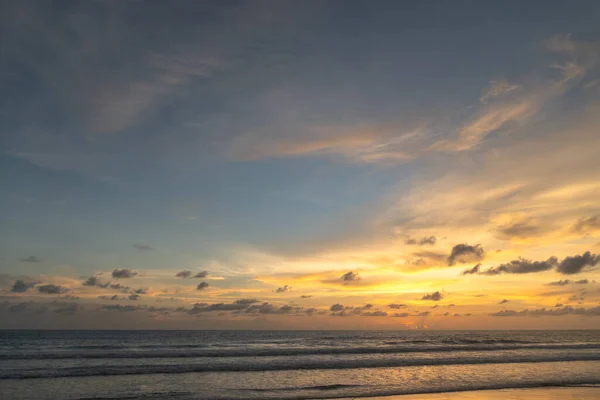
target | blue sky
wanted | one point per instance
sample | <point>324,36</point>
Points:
<point>255,139</point>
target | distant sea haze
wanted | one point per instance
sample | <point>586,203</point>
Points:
<point>287,365</point>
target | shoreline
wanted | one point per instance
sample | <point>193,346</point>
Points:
<point>536,393</point>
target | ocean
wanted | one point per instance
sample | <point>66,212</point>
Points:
<point>220,365</point>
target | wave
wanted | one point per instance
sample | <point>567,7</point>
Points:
<point>275,352</point>
<point>282,365</point>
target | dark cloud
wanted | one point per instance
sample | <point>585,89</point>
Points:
<point>424,241</point>
<point>132,296</point>
<point>400,315</point>
<point>565,282</point>
<point>34,308</point>
<point>339,310</point>
<point>464,253</point>
<point>91,281</point>
<point>423,314</point>
<point>113,297</point>
<point>575,264</point>
<point>201,274</point>
<point>202,286</point>
<point>568,266</point>
<point>118,286</point>
<point>21,286</point>
<point>120,308</point>
<point>123,273</point>
<point>247,306</point>
<point>397,306</point>
<point>305,296</point>
<point>142,247</point>
<point>587,224</point>
<point>436,296</point>
<point>267,308</point>
<point>52,289</point>
<point>94,281</point>
<point>375,314</point>
<point>183,274</point>
<point>503,301</point>
<point>554,312</point>
<point>283,289</point>
<point>204,308</point>
<point>521,266</point>
<point>471,271</point>
<point>520,230</point>
<point>350,277</point>
<point>140,291</point>
<point>31,259</point>
<point>246,301</point>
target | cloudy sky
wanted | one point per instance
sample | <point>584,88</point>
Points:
<point>300,165</point>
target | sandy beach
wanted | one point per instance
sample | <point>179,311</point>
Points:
<point>548,393</point>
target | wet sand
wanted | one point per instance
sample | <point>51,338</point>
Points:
<point>549,393</point>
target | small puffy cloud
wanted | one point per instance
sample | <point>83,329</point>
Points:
<point>52,289</point>
<point>397,306</point>
<point>575,264</point>
<point>424,241</point>
<point>31,259</point>
<point>464,253</point>
<point>423,314</point>
<point>142,247</point>
<point>201,274</point>
<point>336,307</point>
<point>503,301</point>
<point>183,274</point>
<point>350,277</point>
<point>134,296</point>
<point>202,286</point>
<point>305,296</point>
<point>435,296</point>
<point>123,273</point>
<point>283,289</point>
<point>21,286</point>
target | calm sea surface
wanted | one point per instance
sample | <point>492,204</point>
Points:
<point>287,365</point>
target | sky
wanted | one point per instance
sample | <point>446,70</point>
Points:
<point>300,164</point>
